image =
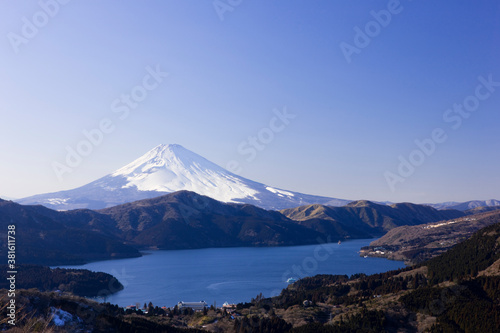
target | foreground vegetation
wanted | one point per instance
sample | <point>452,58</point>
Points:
<point>53,312</point>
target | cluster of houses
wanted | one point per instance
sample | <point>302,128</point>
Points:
<point>437,225</point>
<point>375,252</point>
<point>196,306</point>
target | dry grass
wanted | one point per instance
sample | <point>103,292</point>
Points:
<point>493,270</point>
<point>26,322</point>
<point>421,270</point>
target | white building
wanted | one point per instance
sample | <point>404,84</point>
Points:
<point>196,306</point>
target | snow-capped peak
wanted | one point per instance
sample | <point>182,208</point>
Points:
<point>166,156</point>
<point>170,168</point>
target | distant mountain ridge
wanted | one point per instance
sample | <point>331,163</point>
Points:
<point>44,236</point>
<point>180,220</point>
<point>167,169</point>
<point>368,216</point>
<point>463,206</point>
<point>187,220</point>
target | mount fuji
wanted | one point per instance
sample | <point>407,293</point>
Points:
<point>170,168</point>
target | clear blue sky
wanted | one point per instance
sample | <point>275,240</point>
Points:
<point>353,119</point>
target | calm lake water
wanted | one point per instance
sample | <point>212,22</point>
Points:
<point>230,274</point>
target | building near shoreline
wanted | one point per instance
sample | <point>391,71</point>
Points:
<point>196,306</point>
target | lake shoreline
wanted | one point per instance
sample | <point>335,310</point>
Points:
<point>235,275</point>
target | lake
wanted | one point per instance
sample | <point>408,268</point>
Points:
<point>230,274</point>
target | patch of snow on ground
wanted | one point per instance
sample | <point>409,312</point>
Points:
<point>61,317</point>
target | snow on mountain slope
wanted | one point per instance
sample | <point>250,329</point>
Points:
<point>170,168</point>
<point>173,168</point>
